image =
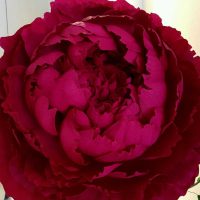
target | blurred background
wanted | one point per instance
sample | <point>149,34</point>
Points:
<point>183,15</point>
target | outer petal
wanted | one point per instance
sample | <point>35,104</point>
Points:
<point>8,179</point>
<point>91,193</point>
<point>174,178</point>
<point>13,48</point>
<point>165,144</point>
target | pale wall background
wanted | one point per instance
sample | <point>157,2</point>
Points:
<point>181,14</point>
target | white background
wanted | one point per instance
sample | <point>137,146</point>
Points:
<point>181,14</point>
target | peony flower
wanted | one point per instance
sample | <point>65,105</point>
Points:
<point>99,100</point>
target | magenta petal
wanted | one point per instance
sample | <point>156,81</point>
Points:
<point>68,92</point>
<point>107,170</point>
<point>37,30</point>
<point>68,32</point>
<point>100,120</point>
<point>45,116</point>
<point>123,175</point>
<point>100,36</point>
<point>132,139</point>
<point>12,182</point>
<point>18,53</point>
<point>72,11</point>
<point>155,96</point>
<point>70,137</point>
<point>48,59</point>
<point>92,144</point>
<point>78,53</point>
<point>14,103</point>
<point>128,40</point>
<point>165,144</point>
<point>91,193</point>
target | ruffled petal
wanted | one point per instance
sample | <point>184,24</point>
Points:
<point>15,185</point>
<point>45,116</point>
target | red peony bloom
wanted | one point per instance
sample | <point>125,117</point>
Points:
<point>99,101</point>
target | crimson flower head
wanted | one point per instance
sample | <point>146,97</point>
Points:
<point>98,101</point>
